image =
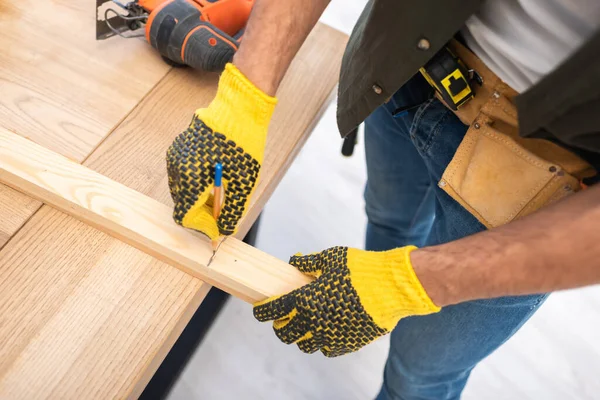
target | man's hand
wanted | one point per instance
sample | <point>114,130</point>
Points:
<point>231,131</point>
<point>357,296</point>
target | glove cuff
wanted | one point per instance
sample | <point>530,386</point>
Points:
<point>387,285</point>
<point>241,111</point>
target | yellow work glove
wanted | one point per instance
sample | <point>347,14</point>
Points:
<point>232,131</point>
<point>357,296</point>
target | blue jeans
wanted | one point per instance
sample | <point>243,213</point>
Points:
<point>431,356</point>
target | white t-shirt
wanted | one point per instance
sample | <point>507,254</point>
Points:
<point>523,40</point>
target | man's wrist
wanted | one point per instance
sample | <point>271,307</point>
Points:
<point>274,33</point>
<point>266,81</point>
<point>434,274</point>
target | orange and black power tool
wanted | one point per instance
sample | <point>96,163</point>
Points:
<point>203,34</point>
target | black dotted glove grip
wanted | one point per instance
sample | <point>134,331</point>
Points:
<point>190,164</point>
<point>326,314</point>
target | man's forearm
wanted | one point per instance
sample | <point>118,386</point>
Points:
<point>553,249</point>
<point>275,31</point>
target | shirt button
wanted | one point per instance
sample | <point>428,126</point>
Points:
<point>377,89</point>
<point>423,44</point>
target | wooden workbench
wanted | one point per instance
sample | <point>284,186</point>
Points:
<point>82,314</point>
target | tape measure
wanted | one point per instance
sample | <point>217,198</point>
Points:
<point>449,77</point>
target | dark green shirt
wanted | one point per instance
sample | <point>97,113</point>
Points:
<point>393,39</point>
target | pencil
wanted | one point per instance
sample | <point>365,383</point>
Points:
<point>218,198</point>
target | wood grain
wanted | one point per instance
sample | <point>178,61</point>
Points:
<point>141,221</point>
<point>77,323</point>
<point>140,329</point>
<point>15,209</point>
<point>62,88</point>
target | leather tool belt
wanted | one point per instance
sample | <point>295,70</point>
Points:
<point>495,174</point>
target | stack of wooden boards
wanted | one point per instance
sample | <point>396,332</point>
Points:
<point>82,314</point>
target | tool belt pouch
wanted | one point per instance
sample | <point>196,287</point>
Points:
<point>499,176</point>
<point>495,174</point>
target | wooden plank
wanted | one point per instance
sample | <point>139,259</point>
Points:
<point>62,88</point>
<point>134,156</point>
<point>140,221</point>
<point>15,209</point>
<point>77,325</point>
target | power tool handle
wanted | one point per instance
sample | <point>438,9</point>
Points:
<point>176,30</point>
<point>206,48</point>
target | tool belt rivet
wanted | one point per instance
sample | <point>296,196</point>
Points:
<point>476,125</point>
<point>552,169</point>
<point>377,89</point>
<point>423,44</point>
<point>442,183</point>
<point>496,95</point>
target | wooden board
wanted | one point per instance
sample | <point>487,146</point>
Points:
<point>141,221</point>
<point>15,209</point>
<point>82,327</point>
<point>50,264</point>
<point>62,88</point>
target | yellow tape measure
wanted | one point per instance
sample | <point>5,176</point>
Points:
<point>449,77</point>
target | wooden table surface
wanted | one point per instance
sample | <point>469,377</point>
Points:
<point>83,315</point>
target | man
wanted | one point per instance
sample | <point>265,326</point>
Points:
<point>482,202</point>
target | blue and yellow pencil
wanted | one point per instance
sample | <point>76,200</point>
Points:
<point>218,198</point>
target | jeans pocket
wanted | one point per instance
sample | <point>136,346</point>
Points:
<point>428,122</point>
